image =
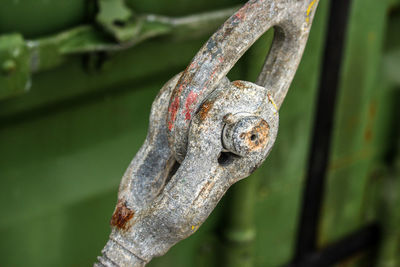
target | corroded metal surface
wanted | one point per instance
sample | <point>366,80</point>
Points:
<point>291,20</point>
<point>206,133</point>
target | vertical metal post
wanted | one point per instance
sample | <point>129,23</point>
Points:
<point>323,125</point>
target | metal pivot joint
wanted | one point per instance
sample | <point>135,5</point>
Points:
<point>206,133</point>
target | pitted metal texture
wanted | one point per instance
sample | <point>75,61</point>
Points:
<point>206,133</point>
<point>291,20</point>
<point>162,209</point>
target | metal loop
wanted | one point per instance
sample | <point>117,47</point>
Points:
<point>291,20</point>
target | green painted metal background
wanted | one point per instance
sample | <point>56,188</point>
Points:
<point>66,143</point>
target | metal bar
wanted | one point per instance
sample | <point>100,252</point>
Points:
<point>356,242</point>
<point>51,51</point>
<point>320,148</point>
<point>46,53</point>
<point>388,213</point>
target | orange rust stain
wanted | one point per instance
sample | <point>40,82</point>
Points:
<point>122,215</point>
<point>204,109</point>
<point>239,84</point>
<point>257,137</point>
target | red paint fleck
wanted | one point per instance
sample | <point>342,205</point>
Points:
<point>174,106</point>
<point>185,79</point>
<point>240,14</point>
<point>172,110</point>
<point>192,97</point>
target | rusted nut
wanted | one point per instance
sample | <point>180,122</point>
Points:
<point>245,133</point>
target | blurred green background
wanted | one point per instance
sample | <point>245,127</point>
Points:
<point>72,116</point>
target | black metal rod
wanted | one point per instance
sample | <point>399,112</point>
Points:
<point>323,125</point>
<point>356,242</point>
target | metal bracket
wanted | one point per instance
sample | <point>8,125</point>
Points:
<point>20,58</point>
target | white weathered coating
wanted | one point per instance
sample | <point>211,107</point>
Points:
<point>206,133</point>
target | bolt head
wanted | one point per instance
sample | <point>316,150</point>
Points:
<point>245,133</point>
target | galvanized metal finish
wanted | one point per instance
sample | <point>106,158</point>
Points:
<point>206,133</point>
<point>291,20</point>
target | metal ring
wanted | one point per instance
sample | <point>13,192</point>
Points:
<point>291,20</point>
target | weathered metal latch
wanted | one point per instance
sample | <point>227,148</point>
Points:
<point>206,133</point>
